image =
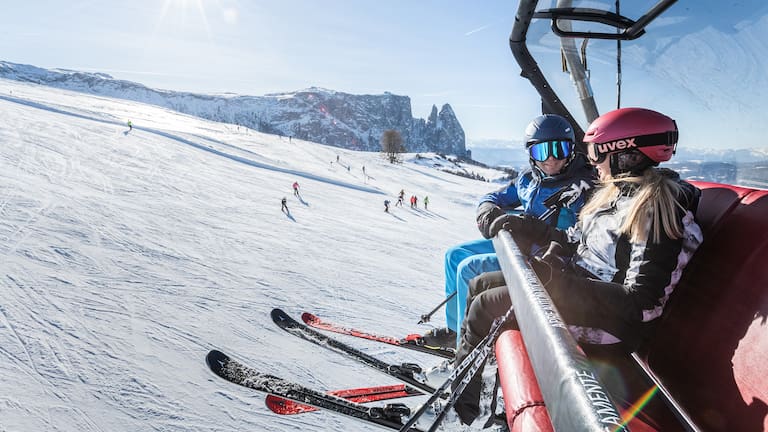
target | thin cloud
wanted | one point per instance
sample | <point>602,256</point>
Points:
<point>479,29</point>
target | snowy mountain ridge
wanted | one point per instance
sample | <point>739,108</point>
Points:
<point>315,114</point>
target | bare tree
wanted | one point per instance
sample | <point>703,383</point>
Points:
<point>392,145</point>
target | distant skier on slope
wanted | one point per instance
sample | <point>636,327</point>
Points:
<point>130,126</point>
<point>296,188</point>
<point>386,206</point>
<point>426,202</point>
<point>284,208</point>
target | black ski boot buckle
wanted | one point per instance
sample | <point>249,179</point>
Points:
<point>407,368</point>
<point>393,411</point>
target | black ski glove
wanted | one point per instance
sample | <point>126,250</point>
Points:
<point>527,230</point>
<point>550,265</point>
<point>487,212</point>
<point>512,223</point>
<point>556,255</point>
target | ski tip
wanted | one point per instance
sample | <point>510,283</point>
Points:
<point>282,406</point>
<point>276,404</point>
<point>309,318</point>
<point>216,360</point>
<point>278,315</point>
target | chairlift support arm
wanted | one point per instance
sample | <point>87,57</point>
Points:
<point>526,11</point>
<point>630,29</point>
<point>551,102</point>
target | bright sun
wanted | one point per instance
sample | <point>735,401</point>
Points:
<point>181,12</point>
<point>193,15</point>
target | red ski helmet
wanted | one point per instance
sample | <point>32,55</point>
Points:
<point>634,139</point>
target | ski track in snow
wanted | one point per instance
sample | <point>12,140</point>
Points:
<point>126,256</point>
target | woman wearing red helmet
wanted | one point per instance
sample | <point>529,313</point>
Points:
<point>610,275</point>
<point>631,140</point>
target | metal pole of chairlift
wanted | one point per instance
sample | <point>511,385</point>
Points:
<point>677,410</point>
<point>531,71</point>
<point>575,398</point>
<point>577,68</point>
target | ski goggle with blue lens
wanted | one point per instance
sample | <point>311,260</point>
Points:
<point>558,149</point>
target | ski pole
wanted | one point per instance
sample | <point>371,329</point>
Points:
<point>425,318</point>
<point>467,368</point>
<point>456,393</point>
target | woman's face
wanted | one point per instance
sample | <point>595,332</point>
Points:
<point>603,169</point>
<point>551,166</point>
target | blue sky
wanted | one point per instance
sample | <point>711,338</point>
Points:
<point>436,52</point>
<point>692,65</point>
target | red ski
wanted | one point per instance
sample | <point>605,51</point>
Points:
<point>279,405</point>
<point>412,341</point>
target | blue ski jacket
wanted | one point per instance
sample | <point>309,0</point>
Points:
<point>531,189</point>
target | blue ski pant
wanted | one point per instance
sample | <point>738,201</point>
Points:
<point>463,262</point>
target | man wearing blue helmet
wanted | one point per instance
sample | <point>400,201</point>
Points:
<point>558,173</point>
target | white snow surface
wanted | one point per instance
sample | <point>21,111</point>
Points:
<point>126,256</point>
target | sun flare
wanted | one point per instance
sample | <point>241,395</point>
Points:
<point>183,11</point>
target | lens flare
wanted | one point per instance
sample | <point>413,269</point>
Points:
<point>632,411</point>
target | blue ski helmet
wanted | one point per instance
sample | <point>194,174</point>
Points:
<point>557,135</point>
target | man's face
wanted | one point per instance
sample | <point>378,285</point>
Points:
<point>551,166</point>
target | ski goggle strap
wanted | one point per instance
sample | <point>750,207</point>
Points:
<point>560,150</point>
<point>597,152</point>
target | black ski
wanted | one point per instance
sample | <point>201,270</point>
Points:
<point>413,342</point>
<point>465,371</point>
<point>405,372</point>
<point>389,416</point>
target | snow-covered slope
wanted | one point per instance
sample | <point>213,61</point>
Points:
<point>127,255</point>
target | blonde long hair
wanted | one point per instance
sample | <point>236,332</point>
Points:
<point>655,204</point>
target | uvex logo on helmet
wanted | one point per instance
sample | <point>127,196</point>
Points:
<point>612,146</point>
